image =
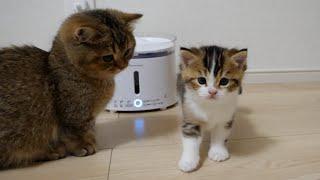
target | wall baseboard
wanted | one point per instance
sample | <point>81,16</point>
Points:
<point>282,75</point>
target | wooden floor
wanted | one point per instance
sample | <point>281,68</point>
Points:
<point>276,136</point>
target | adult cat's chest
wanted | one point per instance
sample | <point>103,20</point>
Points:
<point>104,92</point>
<point>79,95</point>
<point>95,94</point>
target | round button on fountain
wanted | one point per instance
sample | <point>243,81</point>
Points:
<point>137,103</point>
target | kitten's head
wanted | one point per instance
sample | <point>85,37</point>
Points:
<point>212,72</point>
<point>99,43</point>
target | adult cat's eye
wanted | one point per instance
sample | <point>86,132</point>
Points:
<point>108,58</point>
<point>202,80</point>
<point>224,82</point>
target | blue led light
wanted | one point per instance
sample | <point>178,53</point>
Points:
<point>139,127</point>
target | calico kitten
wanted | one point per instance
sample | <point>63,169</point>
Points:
<point>49,100</point>
<point>209,84</point>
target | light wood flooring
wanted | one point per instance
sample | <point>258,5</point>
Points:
<point>276,136</point>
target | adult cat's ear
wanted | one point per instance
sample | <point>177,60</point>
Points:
<point>187,56</point>
<point>130,18</point>
<point>85,34</point>
<point>240,58</point>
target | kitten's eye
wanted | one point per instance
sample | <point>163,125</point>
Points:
<point>108,58</point>
<point>202,80</point>
<point>224,82</point>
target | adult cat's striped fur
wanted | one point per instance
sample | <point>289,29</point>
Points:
<point>49,100</point>
<point>209,83</point>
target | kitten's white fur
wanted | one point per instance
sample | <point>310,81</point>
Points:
<point>190,156</point>
<point>215,113</point>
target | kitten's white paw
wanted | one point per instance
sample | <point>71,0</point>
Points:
<point>218,153</point>
<point>187,164</point>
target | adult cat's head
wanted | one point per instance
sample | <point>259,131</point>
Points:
<point>212,72</point>
<point>99,43</point>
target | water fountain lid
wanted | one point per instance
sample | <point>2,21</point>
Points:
<point>146,43</point>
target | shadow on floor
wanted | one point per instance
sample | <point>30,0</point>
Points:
<point>243,132</point>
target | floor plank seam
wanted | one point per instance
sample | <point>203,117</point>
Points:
<point>232,140</point>
<point>110,164</point>
<point>270,137</point>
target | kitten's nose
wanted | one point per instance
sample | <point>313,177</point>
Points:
<point>212,92</point>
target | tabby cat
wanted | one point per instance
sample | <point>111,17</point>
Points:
<point>209,84</point>
<point>49,100</point>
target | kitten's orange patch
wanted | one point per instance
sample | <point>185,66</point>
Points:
<point>192,67</point>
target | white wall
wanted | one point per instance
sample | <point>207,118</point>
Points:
<point>281,35</point>
<point>30,21</point>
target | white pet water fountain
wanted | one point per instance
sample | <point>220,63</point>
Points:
<point>149,82</point>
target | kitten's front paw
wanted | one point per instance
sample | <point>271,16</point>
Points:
<point>218,153</point>
<point>84,150</point>
<point>188,164</point>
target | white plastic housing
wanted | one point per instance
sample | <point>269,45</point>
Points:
<point>154,62</point>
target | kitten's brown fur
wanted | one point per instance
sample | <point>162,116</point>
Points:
<point>48,100</point>
<point>229,68</point>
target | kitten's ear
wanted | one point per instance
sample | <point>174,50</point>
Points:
<point>85,34</point>
<point>240,58</point>
<point>187,56</point>
<point>131,17</point>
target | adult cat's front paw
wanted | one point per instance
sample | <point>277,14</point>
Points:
<point>84,150</point>
<point>188,164</point>
<point>56,153</point>
<point>218,153</point>
<point>80,146</point>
